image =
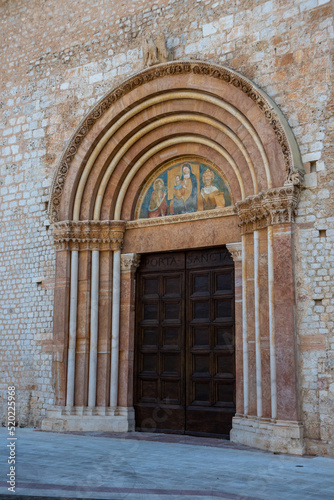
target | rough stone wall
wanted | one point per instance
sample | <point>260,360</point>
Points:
<point>59,58</point>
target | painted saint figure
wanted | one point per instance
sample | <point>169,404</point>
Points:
<point>209,192</point>
<point>177,205</point>
<point>189,182</point>
<point>158,203</point>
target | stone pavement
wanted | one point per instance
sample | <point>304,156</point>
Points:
<point>140,466</point>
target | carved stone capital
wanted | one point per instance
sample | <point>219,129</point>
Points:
<point>89,235</point>
<point>235,250</point>
<point>275,206</point>
<point>129,262</point>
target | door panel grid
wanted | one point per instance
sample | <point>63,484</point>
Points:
<point>184,371</point>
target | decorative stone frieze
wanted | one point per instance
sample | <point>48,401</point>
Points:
<point>275,206</point>
<point>89,235</point>
<point>235,250</point>
<point>129,262</point>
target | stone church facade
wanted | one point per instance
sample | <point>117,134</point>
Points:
<point>167,221</point>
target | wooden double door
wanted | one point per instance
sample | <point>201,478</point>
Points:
<point>184,354</point>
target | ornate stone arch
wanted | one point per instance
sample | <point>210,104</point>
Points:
<point>117,101</point>
<point>166,112</point>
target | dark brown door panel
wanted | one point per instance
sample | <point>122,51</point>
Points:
<point>184,363</point>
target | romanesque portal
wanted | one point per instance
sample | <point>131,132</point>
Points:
<point>182,157</point>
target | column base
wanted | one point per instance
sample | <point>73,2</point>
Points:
<point>280,436</point>
<point>85,419</point>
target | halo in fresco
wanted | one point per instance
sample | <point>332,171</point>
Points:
<point>182,186</point>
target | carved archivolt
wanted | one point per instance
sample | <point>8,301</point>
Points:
<point>89,235</point>
<point>275,206</point>
<point>293,176</point>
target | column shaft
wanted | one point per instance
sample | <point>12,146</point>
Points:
<point>272,340</point>
<point>244,323</point>
<point>73,328</point>
<point>94,316</point>
<point>115,329</point>
<point>257,326</point>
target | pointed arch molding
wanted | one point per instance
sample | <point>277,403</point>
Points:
<point>202,84</point>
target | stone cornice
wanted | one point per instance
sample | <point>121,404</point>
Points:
<point>159,71</point>
<point>89,235</point>
<point>275,206</point>
<point>129,262</point>
<point>176,219</point>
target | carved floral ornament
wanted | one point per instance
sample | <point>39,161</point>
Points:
<point>89,235</point>
<point>293,176</point>
<point>275,206</point>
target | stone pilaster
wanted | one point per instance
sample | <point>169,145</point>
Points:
<point>129,264</point>
<point>235,250</point>
<point>269,215</point>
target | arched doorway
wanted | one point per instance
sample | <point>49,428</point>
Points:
<point>168,112</point>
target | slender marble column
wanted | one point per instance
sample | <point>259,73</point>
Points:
<point>257,326</point>
<point>115,329</point>
<point>73,328</point>
<point>272,340</point>
<point>244,323</point>
<point>94,316</point>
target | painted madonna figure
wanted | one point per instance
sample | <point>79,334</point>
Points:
<point>189,183</point>
<point>177,205</point>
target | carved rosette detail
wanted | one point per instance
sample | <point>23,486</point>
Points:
<point>275,206</point>
<point>174,68</point>
<point>89,235</point>
<point>129,262</point>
